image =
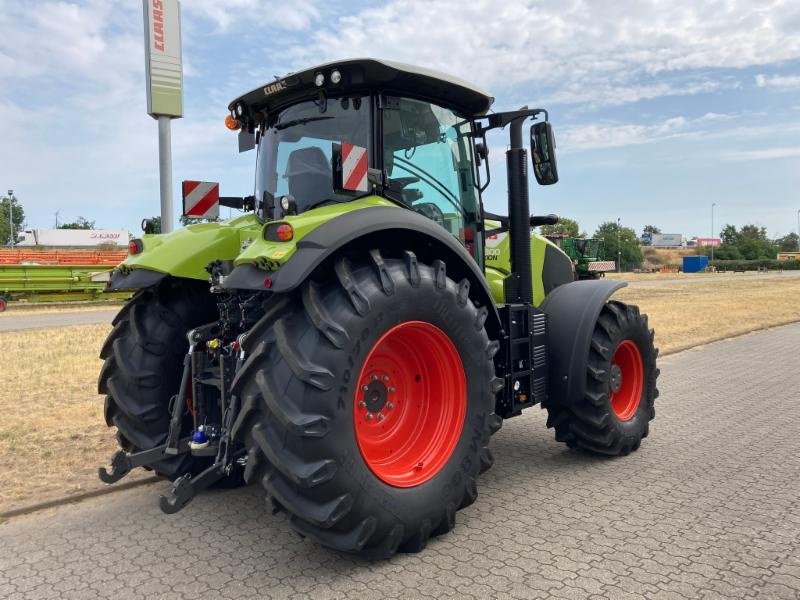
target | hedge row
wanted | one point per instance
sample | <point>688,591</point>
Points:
<point>754,265</point>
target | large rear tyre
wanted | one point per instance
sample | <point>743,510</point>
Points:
<point>621,374</point>
<point>368,404</point>
<point>143,357</point>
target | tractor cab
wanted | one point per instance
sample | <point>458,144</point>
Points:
<point>343,131</point>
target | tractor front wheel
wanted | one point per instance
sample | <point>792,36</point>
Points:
<point>367,405</point>
<point>143,357</point>
<point>615,412</point>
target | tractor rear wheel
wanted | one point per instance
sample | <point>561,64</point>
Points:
<point>3,304</point>
<point>621,374</point>
<point>368,403</point>
<point>143,357</point>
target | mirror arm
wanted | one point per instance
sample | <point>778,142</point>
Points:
<point>502,119</point>
<point>238,202</point>
<point>535,220</point>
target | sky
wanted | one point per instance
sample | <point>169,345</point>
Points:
<point>660,108</point>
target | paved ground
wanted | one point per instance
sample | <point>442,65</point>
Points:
<point>34,320</point>
<point>708,508</point>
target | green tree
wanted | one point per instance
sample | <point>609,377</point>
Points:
<point>565,226</point>
<point>79,223</point>
<point>651,229</point>
<point>729,235</point>
<point>788,243</point>
<point>722,252</point>
<point>191,221</point>
<point>630,256</point>
<point>754,243</point>
<point>156,221</point>
<point>17,216</point>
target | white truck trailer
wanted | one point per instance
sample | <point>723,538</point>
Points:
<point>666,240</point>
<point>73,238</point>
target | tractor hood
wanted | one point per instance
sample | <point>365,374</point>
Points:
<point>186,252</point>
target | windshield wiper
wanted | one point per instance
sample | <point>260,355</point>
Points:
<point>281,126</point>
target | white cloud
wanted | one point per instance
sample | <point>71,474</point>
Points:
<point>576,47</point>
<point>594,136</point>
<point>764,154</point>
<point>266,14</point>
<point>778,81</point>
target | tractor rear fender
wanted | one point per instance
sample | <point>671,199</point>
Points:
<point>572,310</point>
<point>389,229</point>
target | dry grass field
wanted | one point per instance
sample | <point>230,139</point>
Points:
<point>689,314</point>
<point>53,437</point>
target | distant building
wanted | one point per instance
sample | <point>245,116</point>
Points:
<point>706,242</point>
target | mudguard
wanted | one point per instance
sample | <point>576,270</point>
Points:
<point>572,310</point>
<point>379,227</point>
<point>134,279</point>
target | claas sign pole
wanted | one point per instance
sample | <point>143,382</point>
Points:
<point>162,37</point>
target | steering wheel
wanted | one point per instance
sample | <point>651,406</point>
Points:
<point>430,210</point>
<point>400,182</point>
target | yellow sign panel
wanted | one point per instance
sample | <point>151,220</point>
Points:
<point>162,42</point>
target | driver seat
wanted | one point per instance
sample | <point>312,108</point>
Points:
<point>309,176</point>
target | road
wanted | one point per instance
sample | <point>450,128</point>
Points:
<point>709,507</point>
<point>43,320</point>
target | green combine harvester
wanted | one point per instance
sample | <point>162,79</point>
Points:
<point>586,255</point>
<point>355,338</point>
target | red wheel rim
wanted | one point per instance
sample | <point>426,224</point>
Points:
<point>410,404</point>
<point>627,380</point>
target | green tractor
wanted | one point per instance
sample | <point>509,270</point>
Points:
<point>354,339</point>
<point>585,254</point>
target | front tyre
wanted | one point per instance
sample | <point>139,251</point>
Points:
<point>143,364</point>
<point>615,412</point>
<point>368,405</point>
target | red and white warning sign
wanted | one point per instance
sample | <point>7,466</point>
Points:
<point>201,199</point>
<point>354,168</point>
<point>602,265</point>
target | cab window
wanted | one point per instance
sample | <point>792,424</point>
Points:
<point>427,152</point>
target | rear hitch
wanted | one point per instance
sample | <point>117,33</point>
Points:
<point>123,462</point>
<point>186,487</point>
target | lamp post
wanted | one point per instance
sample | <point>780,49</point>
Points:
<point>619,248</point>
<point>713,204</point>
<point>11,218</point>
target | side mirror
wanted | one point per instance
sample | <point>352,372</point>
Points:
<point>543,153</point>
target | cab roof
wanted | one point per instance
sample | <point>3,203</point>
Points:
<point>365,75</point>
